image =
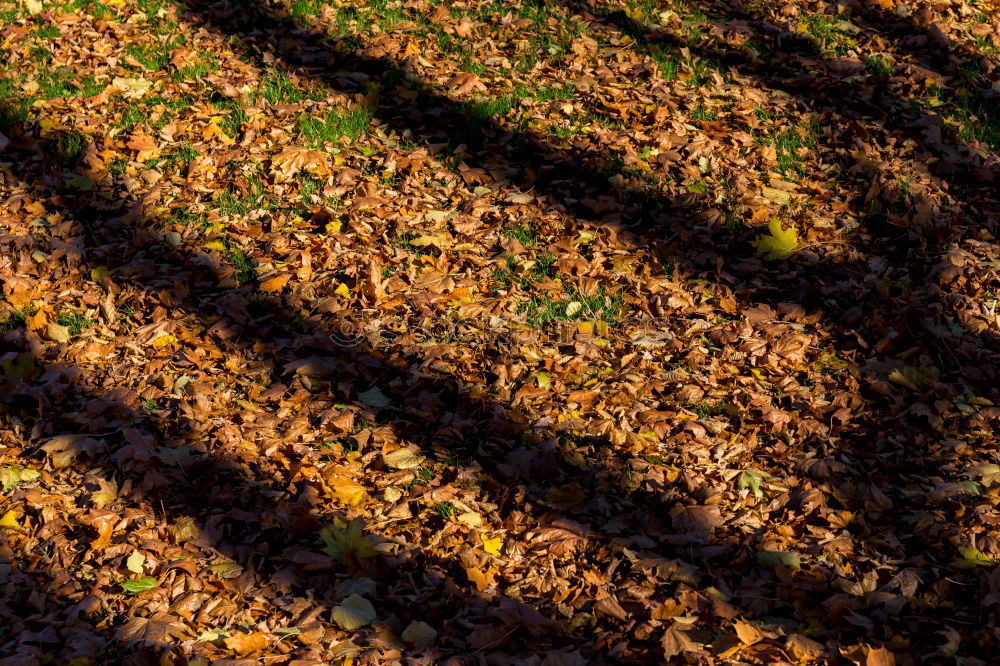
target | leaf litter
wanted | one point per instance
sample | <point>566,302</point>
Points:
<point>542,333</point>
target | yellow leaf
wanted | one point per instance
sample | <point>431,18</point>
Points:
<point>403,458</point>
<point>342,290</point>
<point>131,87</point>
<point>213,131</point>
<point>49,127</point>
<point>57,332</point>
<point>334,227</point>
<point>9,522</point>
<point>98,273</point>
<point>164,340</point>
<point>471,518</point>
<point>218,246</point>
<point>493,545</point>
<point>780,243</point>
<point>136,562</point>
<point>349,492</point>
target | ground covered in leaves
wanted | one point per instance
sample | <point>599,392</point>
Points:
<point>484,332</point>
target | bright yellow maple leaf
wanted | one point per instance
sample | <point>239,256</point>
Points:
<point>780,243</point>
<point>9,522</point>
<point>493,545</point>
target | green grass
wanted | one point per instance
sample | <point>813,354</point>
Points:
<point>13,320</point>
<point>69,147</point>
<point>336,123</point>
<point>303,11</point>
<point>240,202</point>
<point>979,116</point>
<point>197,70</point>
<point>878,65</point>
<point>477,114</point>
<point>524,234</point>
<point>246,269</point>
<point>151,57</point>
<point>133,115</point>
<point>541,310</point>
<point>13,108</point>
<point>63,82</point>
<point>47,32</point>
<point>76,322</point>
<point>789,144</point>
<point>703,114</point>
<point>276,87</point>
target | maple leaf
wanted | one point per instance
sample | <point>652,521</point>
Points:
<point>132,87</point>
<point>294,159</point>
<point>696,518</point>
<point>780,243</point>
<point>158,629</point>
<point>675,641</point>
<point>345,543</point>
<point>145,145</point>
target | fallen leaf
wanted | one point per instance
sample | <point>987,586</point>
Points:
<point>419,633</point>
<point>246,644</point>
<point>139,585</point>
<point>403,458</point>
<point>135,562</point>
<point>9,522</point>
<point>353,612</point>
<point>780,243</point>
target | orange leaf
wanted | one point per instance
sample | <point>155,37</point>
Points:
<point>276,283</point>
<point>247,643</point>
<point>145,145</point>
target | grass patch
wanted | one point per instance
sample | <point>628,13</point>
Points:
<point>477,114</point>
<point>69,147</point>
<point>13,108</point>
<point>790,145</point>
<point>602,306</point>
<point>76,322</point>
<point>524,234</point>
<point>246,269</point>
<point>13,320</point>
<point>878,65</point>
<point>336,123</point>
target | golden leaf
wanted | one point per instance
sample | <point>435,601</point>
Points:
<point>164,340</point>
<point>780,243</point>
<point>493,545</point>
<point>349,492</point>
<point>9,522</point>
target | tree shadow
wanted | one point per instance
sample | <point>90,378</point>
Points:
<point>862,473</point>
